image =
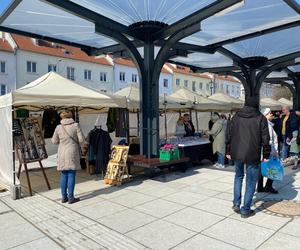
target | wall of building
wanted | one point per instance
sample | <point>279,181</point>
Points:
<point>129,71</point>
<point>202,85</point>
<point>266,90</point>
<point>23,77</point>
<point>230,88</point>
<point>8,78</point>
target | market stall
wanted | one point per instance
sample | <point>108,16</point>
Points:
<point>286,102</point>
<point>234,103</point>
<point>50,90</point>
<point>268,102</point>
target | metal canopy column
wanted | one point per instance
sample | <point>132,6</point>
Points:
<point>296,96</point>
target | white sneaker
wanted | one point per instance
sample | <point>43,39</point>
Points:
<point>221,166</point>
<point>216,165</point>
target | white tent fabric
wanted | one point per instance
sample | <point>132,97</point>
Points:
<point>286,102</point>
<point>200,103</point>
<point>270,103</point>
<point>52,89</point>
<point>235,103</point>
<point>132,94</point>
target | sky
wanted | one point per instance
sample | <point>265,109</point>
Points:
<point>3,5</point>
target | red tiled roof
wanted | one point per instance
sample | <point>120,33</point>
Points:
<point>186,71</point>
<point>5,46</point>
<point>130,63</point>
<point>228,78</point>
<point>25,43</point>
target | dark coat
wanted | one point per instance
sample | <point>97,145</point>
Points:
<point>292,124</point>
<point>248,134</point>
<point>188,131</point>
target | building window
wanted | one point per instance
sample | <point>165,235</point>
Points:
<point>166,83</point>
<point>87,75</point>
<point>51,67</point>
<point>186,83</point>
<point>207,86</point>
<point>3,89</point>
<point>200,85</point>
<point>134,78</point>
<point>31,67</point>
<point>103,77</point>
<point>71,73</point>
<point>227,89</point>
<point>177,82</point>
<point>122,76</point>
<point>2,67</point>
<point>232,89</point>
<point>194,86</point>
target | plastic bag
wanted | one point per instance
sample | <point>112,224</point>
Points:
<point>272,169</point>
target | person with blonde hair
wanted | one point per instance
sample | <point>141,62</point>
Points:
<point>69,137</point>
<point>180,129</point>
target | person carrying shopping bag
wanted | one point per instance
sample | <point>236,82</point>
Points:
<point>274,153</point>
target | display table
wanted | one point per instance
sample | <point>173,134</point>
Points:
<point>151,166</point>
<point>197,150</point>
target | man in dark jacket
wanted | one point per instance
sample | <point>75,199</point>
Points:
<point>248,134</point>
<point>289,123</point>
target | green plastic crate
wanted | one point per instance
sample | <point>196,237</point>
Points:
<point>175,154</point>
<point>165,155</point>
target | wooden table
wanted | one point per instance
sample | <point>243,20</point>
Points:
<point>151,166</point>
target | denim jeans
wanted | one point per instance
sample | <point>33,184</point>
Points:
<point>67,183</point>
<point>252,171</point>
<point>284,148</point>
<point>221,158</point>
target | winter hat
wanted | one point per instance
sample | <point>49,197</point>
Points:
<point>265,111</point>
<point>252,102</point>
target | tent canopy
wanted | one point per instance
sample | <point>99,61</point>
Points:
<point>286,102</point>
<point>234,102</point>
<point>270,103</point>
<point>201,103</point>
<point>132,94</point>
<point>52,89</point>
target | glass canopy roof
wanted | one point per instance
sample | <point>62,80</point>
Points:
<point>255,15</point>
<point>40,18</point>
<point>132,11</point>
<point>270,45</point>
<point>205,60</point>
<point>295,68</point>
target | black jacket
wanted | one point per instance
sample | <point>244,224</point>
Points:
<point>248,134</point>
<point>189,131</point>
<point>291,125</point>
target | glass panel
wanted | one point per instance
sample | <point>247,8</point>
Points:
<point>205,60</point>
<point>132,11</point>
<point>255,15</point>
<point>270,45</point>
<point>295,68</point>
<point>4,5</point>
<point>43,19</point>
<point>277,74</point>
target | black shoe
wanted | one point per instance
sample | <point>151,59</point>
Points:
<point>261,190</point>
<point>236,209</point>
<point>64,200</point>
<point>251,213</point>
<point>271,190</point>
<point>74,200</point>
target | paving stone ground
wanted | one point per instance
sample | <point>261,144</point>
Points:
<point>176,210</point>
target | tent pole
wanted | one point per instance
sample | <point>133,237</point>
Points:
<point>16,189</point>
<point>197,123</point>
<point>138,122</point>
<point>166,127</point>
<point>128,128</point>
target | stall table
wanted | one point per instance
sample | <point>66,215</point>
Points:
<point>151,166</point>
<point>197,150</point>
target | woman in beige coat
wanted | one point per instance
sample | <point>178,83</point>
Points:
<point>69,137</point>
<point>218,133</point>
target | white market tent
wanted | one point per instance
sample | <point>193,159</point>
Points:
<point>49,90</point>
<point>132,94</point>
<point>201,103</point>
<point>268,102</point>
<point>286,102</point>
<point>233,102</point>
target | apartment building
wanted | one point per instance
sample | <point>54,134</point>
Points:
<point>125,74</point>
<point>7,66</point>
<point>229,86</point>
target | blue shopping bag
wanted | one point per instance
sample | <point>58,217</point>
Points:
<point>272,169</point>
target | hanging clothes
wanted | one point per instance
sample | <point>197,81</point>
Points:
<point>50,120</point>
<point>99,149</point>
<point>111,120</point>
<point>117,121</point>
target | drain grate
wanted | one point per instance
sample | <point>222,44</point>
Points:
<point>284,208</point>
